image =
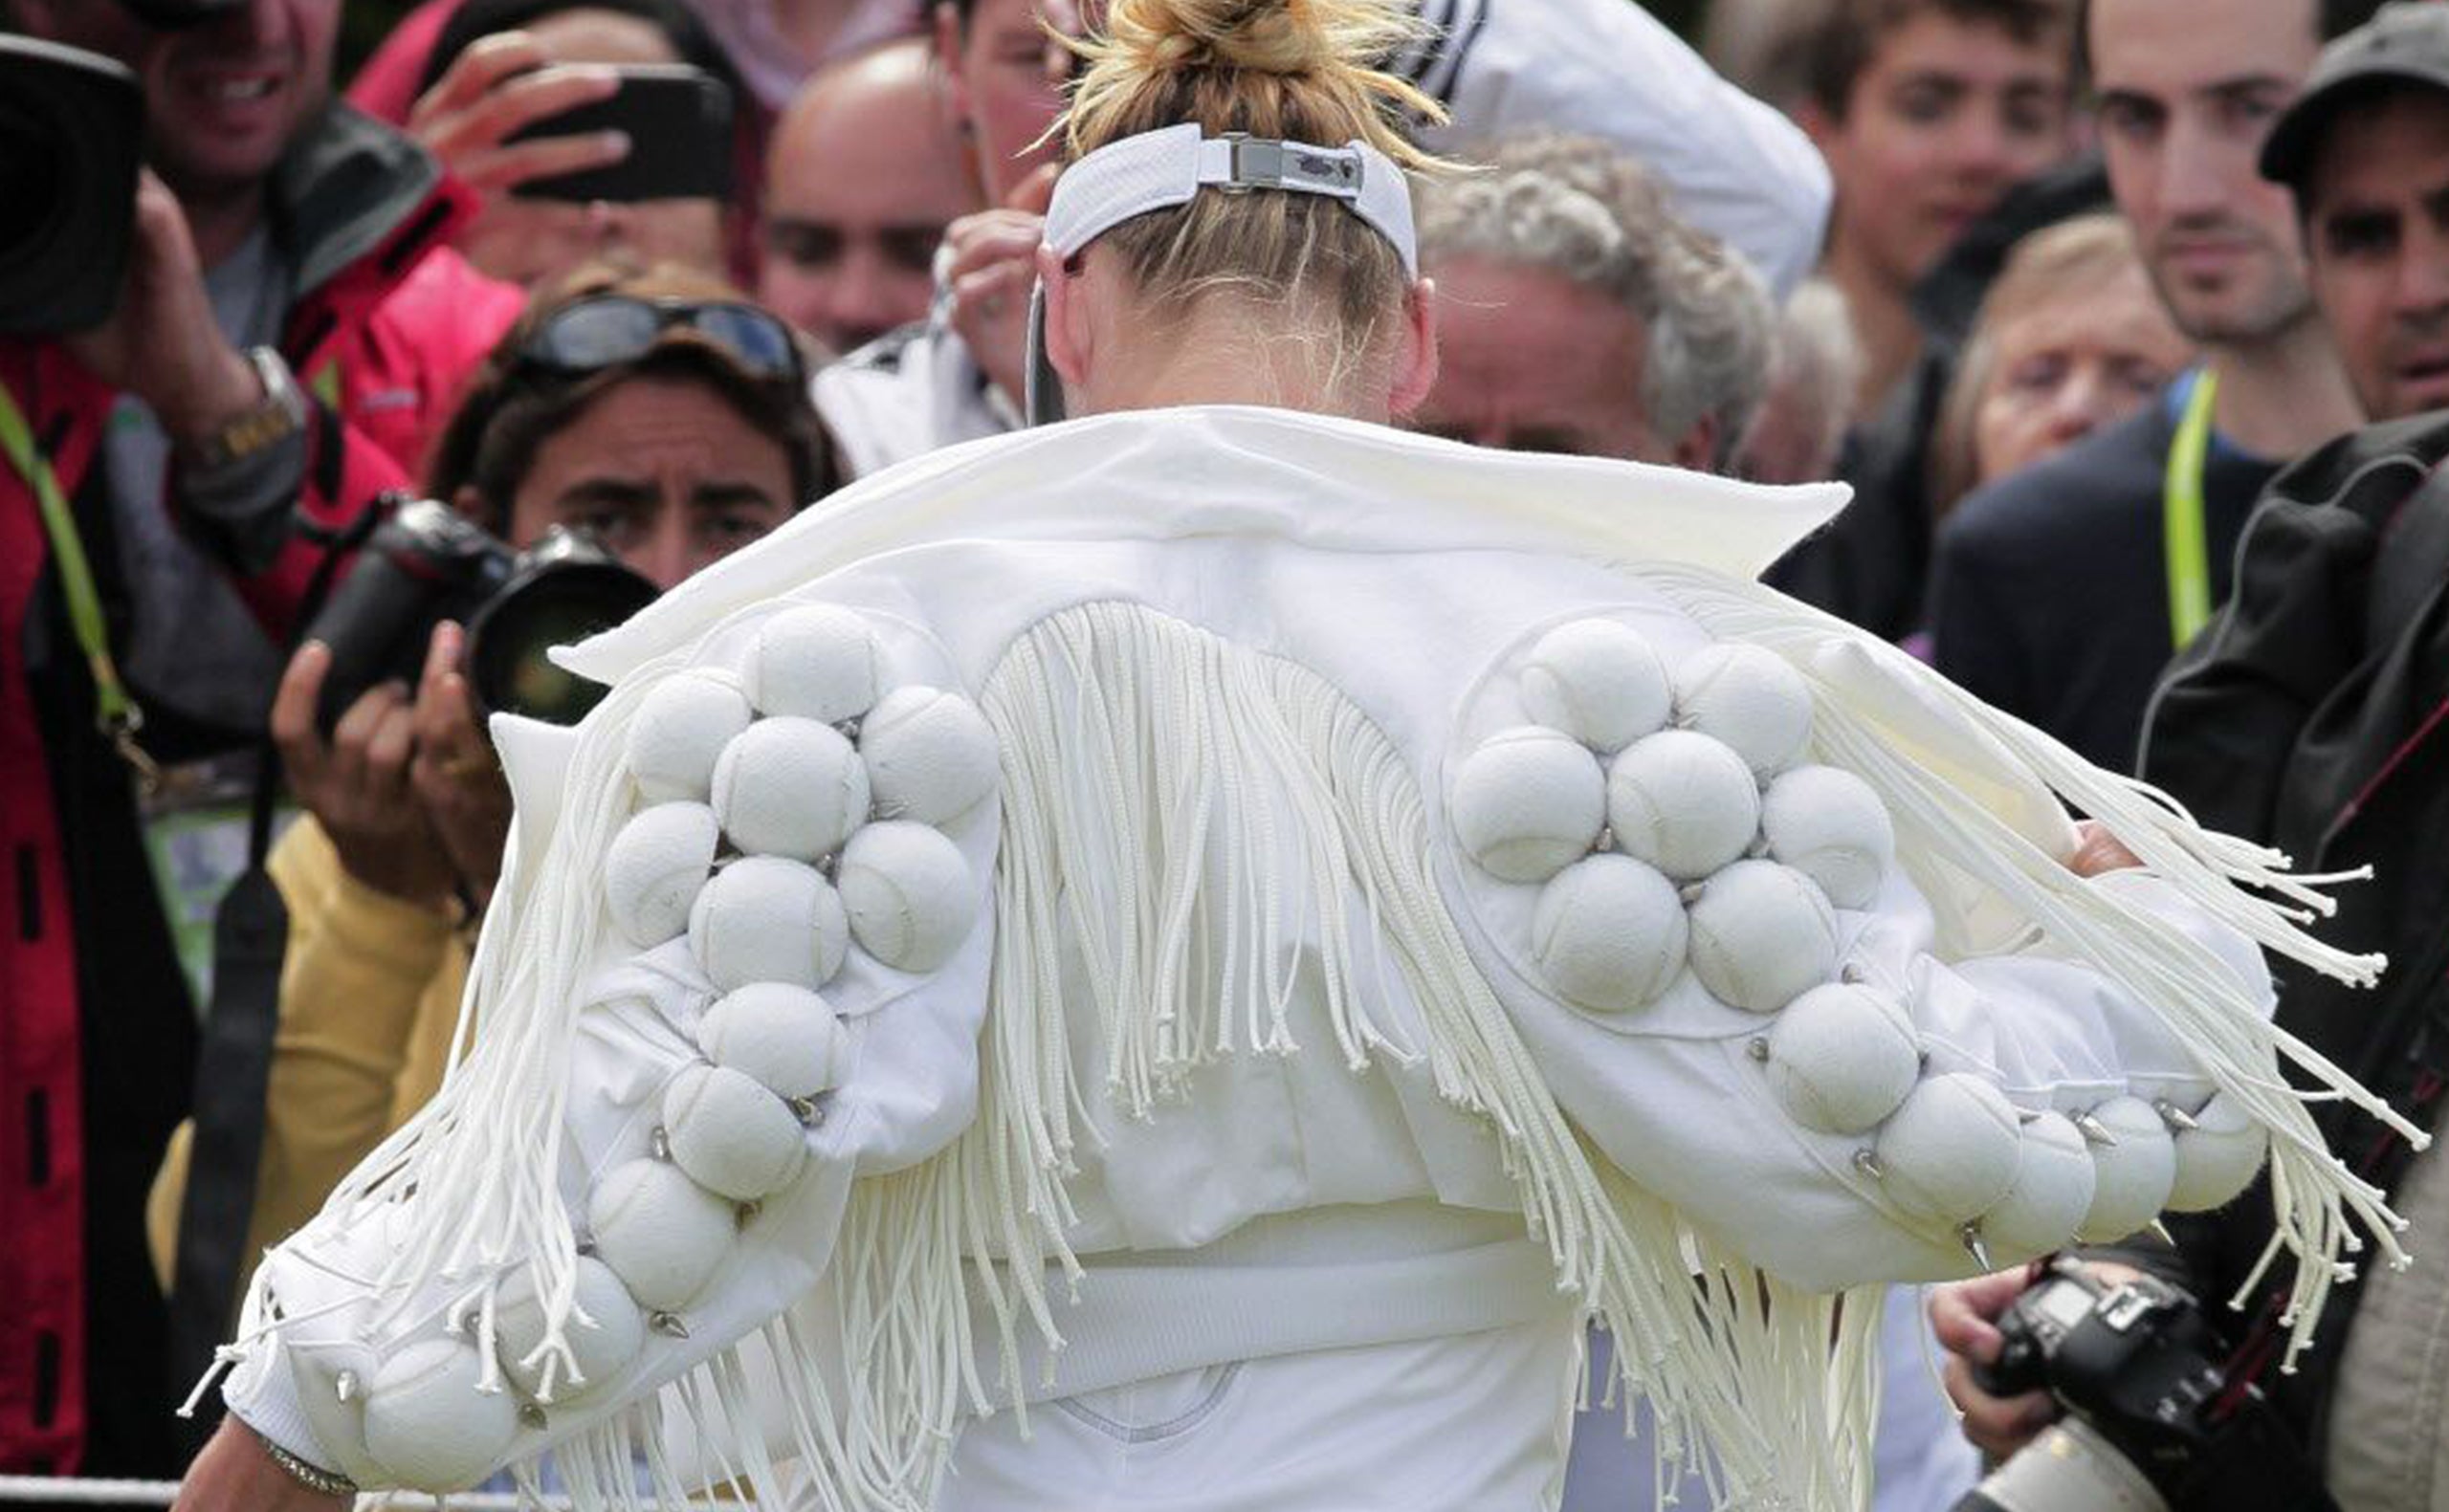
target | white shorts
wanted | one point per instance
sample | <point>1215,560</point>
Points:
<point>1473,1421</point>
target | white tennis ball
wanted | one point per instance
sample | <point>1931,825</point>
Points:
<point>1597,681</point>
<point>663,1235</point>
<point>931,754</point>
<point>601,1349</point>
<point>815,660</point>
<point>764,919</point>
<point>785,1039</point>
<point>2052,1193</point>
<point>2217,1158</point>
<point>730,1136</point>
<point>654,867</point>
<point>679,729</point>
<point>1608,934</point>
<point>1762,934</point>
<point>1748,697</point>
<point>1828,824</point>
<point>2132,1177</point>
<point>790,787</point>
<point>1950,1153</point>
<point>909,894</point>
<point>1528,804</point>
<point>1682,802</point>
<point>426,1423</point>
<point>1841,1058</point>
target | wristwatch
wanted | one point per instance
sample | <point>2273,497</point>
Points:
<point>280,415</point>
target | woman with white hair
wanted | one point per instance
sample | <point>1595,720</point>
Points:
<point>1178,959</point>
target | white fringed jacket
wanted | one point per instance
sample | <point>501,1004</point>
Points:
<point>1216,1043</point>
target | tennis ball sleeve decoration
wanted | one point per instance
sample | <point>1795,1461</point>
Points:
<point>1528,804</point>
<point>428,1424</point>
<point>2052,1192</point>
<point>784,1038</point>
<point>662,1233</point>
<point>1608,934</point>
<point>655,867</point>
<point>815,662</point>
<point>1750,698</point>
<point>1597,681</point>
<point>1762,933</point>
<point>930,756</point>
<point>730,1136</point>
<point>1828,824</point>
<point>602,1348</point>
<point>2134,1168</point>
<point>1950,1153</point>
<point>790,787</point>
<point>909,894</point>
<point>1682,802</point>
<point>680,731</point>
<point>1841,1058</point>
<point>2218,1158</point>
<point>765,919</point>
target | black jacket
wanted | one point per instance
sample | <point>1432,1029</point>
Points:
<point>2314,716</point>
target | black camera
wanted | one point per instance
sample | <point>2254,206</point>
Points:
<point>2152,1422</point>
<point>429,563</point>
<point>72,138</point>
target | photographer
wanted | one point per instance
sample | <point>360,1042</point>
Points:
<point>656,411</point>
<point>283,339</point>
<point>2310,716</point>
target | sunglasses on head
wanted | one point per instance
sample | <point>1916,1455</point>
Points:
<point>607,330</point>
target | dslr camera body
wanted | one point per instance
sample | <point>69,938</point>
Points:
<point>427,563</point>
<point>2152,1422</point>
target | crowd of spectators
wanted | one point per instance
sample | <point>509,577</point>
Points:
<point>2124,319</point>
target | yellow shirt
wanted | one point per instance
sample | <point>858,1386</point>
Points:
<point>370,995</point>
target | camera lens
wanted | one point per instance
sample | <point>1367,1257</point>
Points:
<point>72,127</point>
<point>561,603</point>
<point>2069,1468</point>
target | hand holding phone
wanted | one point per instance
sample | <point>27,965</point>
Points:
<point>677,122</point>
<point>500,88</point>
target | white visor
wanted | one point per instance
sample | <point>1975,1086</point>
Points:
<point>1159,169</point>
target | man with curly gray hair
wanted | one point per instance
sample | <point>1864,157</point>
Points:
<point>1578,314</point>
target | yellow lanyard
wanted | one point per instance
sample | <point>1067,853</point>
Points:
<point>115,713</point>
<point>2184,535</point>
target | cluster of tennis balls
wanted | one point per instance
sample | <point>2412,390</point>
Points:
<point>1670,823</point>
<point>792,812</point>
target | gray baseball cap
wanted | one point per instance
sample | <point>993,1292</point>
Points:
<point>2406,43</point>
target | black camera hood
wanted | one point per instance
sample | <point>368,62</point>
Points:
<point>72,138</point>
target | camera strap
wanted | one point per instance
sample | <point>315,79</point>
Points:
<point>116,714</point>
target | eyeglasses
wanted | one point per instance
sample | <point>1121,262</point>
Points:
<point>607,330</point>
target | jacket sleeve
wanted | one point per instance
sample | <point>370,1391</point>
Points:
<point>1733,166</point>
<point>1690,1102</point>
<point>681,1070</point>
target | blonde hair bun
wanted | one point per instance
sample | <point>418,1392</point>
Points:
<point>1330,48</point>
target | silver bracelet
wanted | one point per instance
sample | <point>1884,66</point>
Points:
<point>313,1477</point>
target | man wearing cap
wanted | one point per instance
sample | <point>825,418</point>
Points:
<point>289,330</point>
<point>2058,593</point>
<point>2313,715</point>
